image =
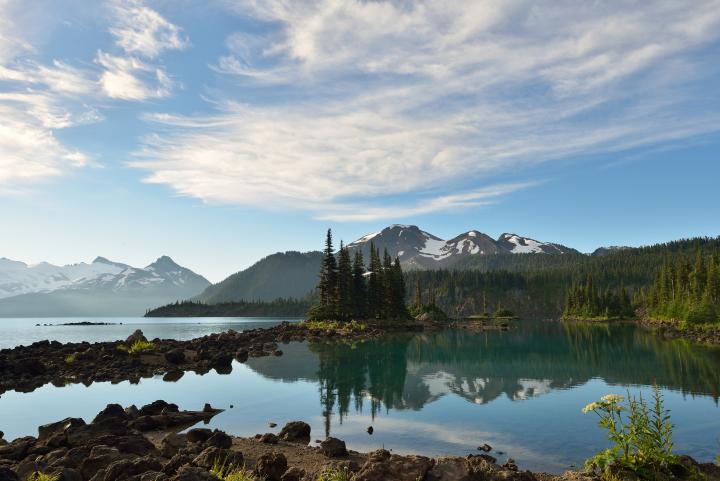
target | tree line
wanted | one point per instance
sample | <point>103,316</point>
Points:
<point>347,290</point>
<point>686,289</point>
<point>587,301</point>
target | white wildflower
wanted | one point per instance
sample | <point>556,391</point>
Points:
<point>591,407</point>
<point>612,398</point>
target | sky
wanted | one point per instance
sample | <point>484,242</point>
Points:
<point>219,131</point>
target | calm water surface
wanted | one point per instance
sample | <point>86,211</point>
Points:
<point>432,393</point>
<point>25,331</point>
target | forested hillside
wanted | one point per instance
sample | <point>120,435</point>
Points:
<point>537,284</point>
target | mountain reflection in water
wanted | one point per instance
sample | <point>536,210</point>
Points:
<point>409,371</point>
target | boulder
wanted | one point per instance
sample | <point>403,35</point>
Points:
<point>221,360</point>
<point>153,476</point>
<point>125,468</point>
<point>333,448</point>
<point>66,474</point>
<point>136,336</point>
<point>135,444</point>
<point>171,444</point>
<point>225,457</point>
<point>381,465</point>
<point>46,431</point>
<point>219,439</point>
<point>296,431</point>
<point>16,450</point>
<point>272,465</point>
<point>157,407</point>
<point>175,463</point>
<point>269,438</point>
<point>198,435</point>
<point>7,474</point>
<point>113,413</point>
<point>100,458</point>
<point>293,474</point>
<point>190,473</point>
<point>175,356</point>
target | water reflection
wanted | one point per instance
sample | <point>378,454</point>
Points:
<point>406,372</point>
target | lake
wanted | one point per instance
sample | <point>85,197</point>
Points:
<point>436,393</point>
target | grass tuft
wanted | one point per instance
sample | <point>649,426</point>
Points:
<point>229,472</point>
<point>40,476</point>
<point>340,474</point>
<point>69,359</point>
<point>140,346</point>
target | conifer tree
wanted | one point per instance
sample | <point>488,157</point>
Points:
<point>344,284</point>
<point>375,286</point>
<point>328,280</point>
<point>399,310</point>
<point>359,291</point>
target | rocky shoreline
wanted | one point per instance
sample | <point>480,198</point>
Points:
<point>708,335</point>
<point>146,444</point>
<point>26,368</point>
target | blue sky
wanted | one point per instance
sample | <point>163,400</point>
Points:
<point>218,132</point>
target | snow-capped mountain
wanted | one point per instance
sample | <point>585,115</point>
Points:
<point>420,249</point>
<point>112,288</point>
<point>525,245</point>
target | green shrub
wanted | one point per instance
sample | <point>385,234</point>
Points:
<point>70,358</point>
<point>139,346</point>
<point>641,434</point>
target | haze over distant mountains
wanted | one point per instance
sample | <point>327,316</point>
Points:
<point>100,288</point>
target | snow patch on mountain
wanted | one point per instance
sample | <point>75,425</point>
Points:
<point>17,278</point>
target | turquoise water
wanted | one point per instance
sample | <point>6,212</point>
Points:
<point>434,393</point>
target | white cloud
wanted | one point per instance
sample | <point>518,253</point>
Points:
<point>36,99</point>
<point>383,98</point>
<point>444,203</point>
<point>128,78</point>
<point>143,31</point>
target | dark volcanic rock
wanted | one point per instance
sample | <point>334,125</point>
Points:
<point>333,448</point>
<point>296,431</point>
<point>381,465</point>
<point>7,474</point>
<point>175,356</point>
<point>269,438</point>
<point>189,473</point>
<point>219,439</point>
<point>229,459</point>
<point>271,465</point>
<point>199,435</point>
<point>125,468</point>
<point>113,413</point>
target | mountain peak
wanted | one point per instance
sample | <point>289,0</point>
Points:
<point>164,262</point>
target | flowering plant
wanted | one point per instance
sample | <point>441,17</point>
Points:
<point>641,435</point>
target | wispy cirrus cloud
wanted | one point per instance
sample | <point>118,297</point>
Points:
<point>140,30</point>
<point>142,33</point>
<point>39,98</point>
<point>412,97</point>
<point>129,78</point>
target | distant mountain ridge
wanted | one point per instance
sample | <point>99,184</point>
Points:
<point>295,274</point>
<point>419,249</point>
<point>102,287</point>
